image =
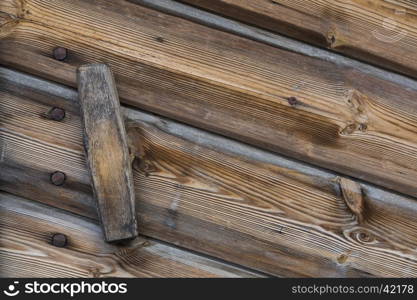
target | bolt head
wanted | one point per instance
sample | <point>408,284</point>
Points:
<point>58,178</point>
<point>56,114</point>
<point>60,53</point>
<point>59,240</point>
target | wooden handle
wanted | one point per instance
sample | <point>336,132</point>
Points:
<point>107,151</point>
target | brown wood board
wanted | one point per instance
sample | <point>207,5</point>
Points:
<point>27,231</point>
<point>329,115</point>
<point>212,195</point>
<point>379,32</point>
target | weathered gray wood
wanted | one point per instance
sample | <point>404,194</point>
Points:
<point>107,152</point>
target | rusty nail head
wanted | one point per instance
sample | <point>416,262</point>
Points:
<point>60,53</point>
<point>56,114</point>
<point>58,178</point>
<point>59,240</point>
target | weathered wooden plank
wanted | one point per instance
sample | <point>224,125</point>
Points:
<point>211,19</point>
<point>329,115</point>
<point>107,153</point>
<point>380,32</point>
<point>27,249</point>
<point>213,195</point>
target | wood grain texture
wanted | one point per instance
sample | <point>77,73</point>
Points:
<point>220,197</point>
<point>342,119</point>
<point>10,13</point>
<point>107,153</point>
<point>26,251</point>
<point>376,31</point>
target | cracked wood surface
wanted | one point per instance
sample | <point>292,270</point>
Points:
<point>381,32</point>
<point>26,229</point>
<point>316,111</point>
<point>210,194</point>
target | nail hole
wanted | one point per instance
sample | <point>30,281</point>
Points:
<point>292,101</point>
<point>363,127</point>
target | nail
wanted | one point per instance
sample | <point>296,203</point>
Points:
<point>59,240</point>
<point>58,178</point>
<point>56,114</point>
<point>60,53</point>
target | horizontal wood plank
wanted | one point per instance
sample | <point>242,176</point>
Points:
<point>27,249</point>
<point>316,111</point>
<point>379,32</point>
<point>216,196</point>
